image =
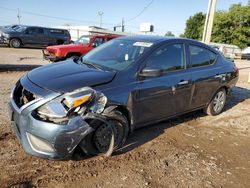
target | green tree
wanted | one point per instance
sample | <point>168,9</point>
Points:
<point>233,27</point>
<point>230,27</point>
<point>169,34</point>
<point>194,26</point>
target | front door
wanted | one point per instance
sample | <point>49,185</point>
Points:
<point>169,94</point>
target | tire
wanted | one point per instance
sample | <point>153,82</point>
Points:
<point>121,127</point>
<point>15,43</point>
<point>119,123</point>
<point>217,104</point>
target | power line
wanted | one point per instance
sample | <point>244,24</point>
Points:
<point>140,13</point>
<point>55,17</point>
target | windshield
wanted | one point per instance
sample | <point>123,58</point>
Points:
<point>20,29</point>
<point>117,54</point>
<point>83,40</point>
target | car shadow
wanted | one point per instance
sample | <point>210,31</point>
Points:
<point>143,135</point>
<point>17,67</point>
<point>146,134</point>
<point>24,47</point>
<point>238,95</point>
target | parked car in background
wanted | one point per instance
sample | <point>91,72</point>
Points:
<point>33,36</point>
<point>229,51</point>
<point>93,102</point>
<point>80,47</point>
<point>245,54</point>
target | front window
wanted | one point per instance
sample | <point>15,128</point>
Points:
<point>20,29</point>
<point>168,58</point>
<point>98,41</point>
<point>117,54</point>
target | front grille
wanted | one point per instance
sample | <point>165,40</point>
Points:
<point>22,96</point>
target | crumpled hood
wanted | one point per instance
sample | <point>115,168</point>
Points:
<point>67,76</point>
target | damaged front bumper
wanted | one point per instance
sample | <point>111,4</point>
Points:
<point>50,57</point>
<point>4,40</point>
<point>40,138</point>
<point>47,140</point>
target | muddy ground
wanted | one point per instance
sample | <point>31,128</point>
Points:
<point>194,150</point>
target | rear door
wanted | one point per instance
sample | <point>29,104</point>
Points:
<point>206,77</point>
<point>42,36</point>
<point>168,94</point>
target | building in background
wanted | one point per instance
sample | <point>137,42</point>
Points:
<point>77,31</point>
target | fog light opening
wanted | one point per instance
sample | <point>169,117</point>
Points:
<point>39,145</point>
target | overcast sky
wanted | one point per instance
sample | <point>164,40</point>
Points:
<point>165,15</point>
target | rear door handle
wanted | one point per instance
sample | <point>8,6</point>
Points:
<point>184,82</point>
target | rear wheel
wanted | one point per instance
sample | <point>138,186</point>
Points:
<point>98,142</point>
<point>217,104</point>
<point>15,43</point>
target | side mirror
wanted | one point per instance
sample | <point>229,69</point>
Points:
<point>93,45</point>
<point>151,72</point>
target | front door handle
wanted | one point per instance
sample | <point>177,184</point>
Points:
<point>184,82</point>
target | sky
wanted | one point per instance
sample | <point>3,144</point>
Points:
<point>165,15</point>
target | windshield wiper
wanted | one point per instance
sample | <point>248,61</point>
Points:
<point>90,64</point>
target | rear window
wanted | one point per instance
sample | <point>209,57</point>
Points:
<point>200,56</point>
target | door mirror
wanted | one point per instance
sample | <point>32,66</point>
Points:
<point>93,44</point>
<point>151,72</point>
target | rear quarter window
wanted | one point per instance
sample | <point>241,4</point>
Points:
<point>200,56</point>
<point>58,32</point>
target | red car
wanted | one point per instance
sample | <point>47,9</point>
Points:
<point>80,47</point>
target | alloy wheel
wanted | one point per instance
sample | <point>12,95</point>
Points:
<point>219,101</point>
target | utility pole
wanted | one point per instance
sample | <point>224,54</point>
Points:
<point>209,21</point>
<point>122,25</point>
<point>18,16</point>
<point>100,14</point>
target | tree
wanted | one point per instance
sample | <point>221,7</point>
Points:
<point>230,27</point>
<point>194,26</point>
<point>233,27</point>
<point>169,34</point>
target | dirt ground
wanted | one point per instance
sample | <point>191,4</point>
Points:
<point>194,150</point>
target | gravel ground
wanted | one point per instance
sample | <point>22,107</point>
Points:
<point>194,150</point>
<point>21,56</point>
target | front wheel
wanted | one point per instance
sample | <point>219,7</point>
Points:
<point>15,43</point>
<point>217,104</point>
<point>98,142</point>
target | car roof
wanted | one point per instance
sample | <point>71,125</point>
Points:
<point>43,27</point>
<point>156,39</point>
<point>147,38</point>
<point>159,39</point>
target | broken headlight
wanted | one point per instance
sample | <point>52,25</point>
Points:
<point>71,104</point>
